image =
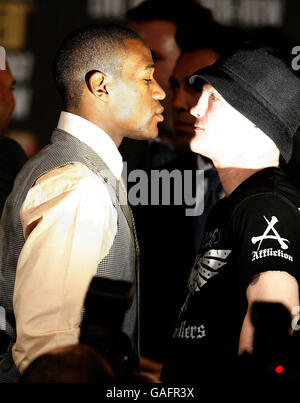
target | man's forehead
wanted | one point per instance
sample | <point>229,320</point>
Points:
<point>137,45</point>
<point>140,63</point>
<point>139,54</point>
<point>209,88</point>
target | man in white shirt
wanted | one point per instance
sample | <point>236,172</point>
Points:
<point>67,218</point>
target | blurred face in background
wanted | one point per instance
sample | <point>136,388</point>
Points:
<point>7,101</point>
<point>159,35</point>
<point>185,96</point>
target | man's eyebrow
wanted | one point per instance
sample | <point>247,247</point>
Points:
<point>150,66</point>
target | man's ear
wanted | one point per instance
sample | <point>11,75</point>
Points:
<point>96,82</point>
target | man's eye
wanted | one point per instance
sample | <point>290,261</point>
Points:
<point>174,85</point>
<point>174,89</point>
<point>213,96</point>
<point>148,80</point>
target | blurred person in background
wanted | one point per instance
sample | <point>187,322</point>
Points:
<point>76,363</point>
<point>178,236</point>
<point>12,156</point>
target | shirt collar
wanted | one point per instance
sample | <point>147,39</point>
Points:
<point>95,138</point>
<point>202,164</point>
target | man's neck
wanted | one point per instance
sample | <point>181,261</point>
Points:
<point>235,171</point>
<point>89,113</point>
<point>232,177</point>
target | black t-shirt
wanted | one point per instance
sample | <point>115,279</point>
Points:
<point>255,229</point>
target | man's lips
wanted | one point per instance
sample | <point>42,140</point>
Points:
<point>159,115</point>
<point>198,128</point>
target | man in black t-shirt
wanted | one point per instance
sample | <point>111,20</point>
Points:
<point>246,117</point>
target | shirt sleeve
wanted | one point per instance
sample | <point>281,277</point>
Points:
<point>266,236</point>
<point>69,225</point>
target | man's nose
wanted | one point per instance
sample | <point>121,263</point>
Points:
<point>199,109</point>
<point>180,100</point>
<point>158,92</point>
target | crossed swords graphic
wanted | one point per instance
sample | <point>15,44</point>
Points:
<point>276,236</point>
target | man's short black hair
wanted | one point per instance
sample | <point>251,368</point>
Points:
<point>91,48</point>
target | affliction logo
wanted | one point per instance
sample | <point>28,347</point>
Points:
<point>283,242</point>
<point>263,253</point>
<point>270,252</point>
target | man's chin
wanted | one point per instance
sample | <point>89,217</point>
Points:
<point>196,146</point>
<point>150,135</point>
<point>143,135</point>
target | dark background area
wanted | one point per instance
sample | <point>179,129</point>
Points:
<point>46,23</point>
